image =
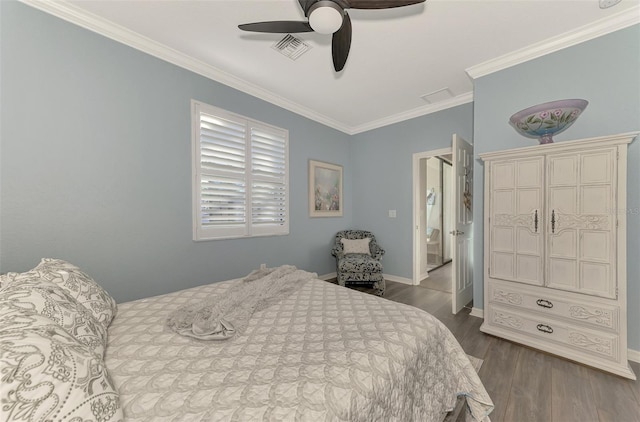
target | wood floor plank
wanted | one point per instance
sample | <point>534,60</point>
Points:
<point>439,279</point>
<point>497,374</point>
<point>530,396</point>
<point>475,342</point>
<point>614,397</point>
<point>572,399</point>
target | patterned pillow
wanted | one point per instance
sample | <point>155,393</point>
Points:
<point>49,299</point>
<point>356,246</point>
<point>79,285</point>
<point>49,375</point>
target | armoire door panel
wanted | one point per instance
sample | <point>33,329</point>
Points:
<point>503,239</point>
<point>517,225</point>
<point>502,265</point>
<point>563,170</point>
<point>595,246</point>
<point>528,269</point>
<point>503,176</point>
<point>596,167</point>
<point>529,173</point>
<point>596,199</point>
<point>528,200</point>
<point>562,200</point>
<point>503,202</point>
<point>528,242</point>
<point>563,244</point>
<point>563,273</point>
<point>595,279</point>
<point>583,226</point>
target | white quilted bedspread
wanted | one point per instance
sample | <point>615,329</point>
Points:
<point>325,353</point>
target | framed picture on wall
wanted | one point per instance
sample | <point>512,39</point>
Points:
<point>325,189</point>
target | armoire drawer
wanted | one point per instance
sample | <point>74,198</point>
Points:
<point>556,332</point>
<point>548,302</point>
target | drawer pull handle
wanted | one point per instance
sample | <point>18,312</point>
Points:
<point>553,221</point>
<point>535,221</point>
<point>544,303</point>
<point>544,328</point>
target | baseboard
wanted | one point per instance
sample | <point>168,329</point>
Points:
<point>329,276</point>
<point>477,312</point>
<point>402,280</point>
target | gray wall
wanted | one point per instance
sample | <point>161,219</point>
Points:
<point>382,169</point>
<point>95,164</point>
<point>604,71</point>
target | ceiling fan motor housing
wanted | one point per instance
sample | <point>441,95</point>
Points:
<point>325,17</point>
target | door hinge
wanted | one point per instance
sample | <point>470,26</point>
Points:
<point>617,154</point>
<point>616,292</point>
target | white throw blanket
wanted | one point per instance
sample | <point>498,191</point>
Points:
<point>222,317</point>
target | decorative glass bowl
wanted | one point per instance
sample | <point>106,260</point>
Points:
<point>545,120</point>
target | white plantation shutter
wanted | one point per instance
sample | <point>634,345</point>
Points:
<point>241,176</point>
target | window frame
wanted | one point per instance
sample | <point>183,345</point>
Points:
<point>247,229</point>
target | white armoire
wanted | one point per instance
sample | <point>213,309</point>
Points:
<point>555,249</point>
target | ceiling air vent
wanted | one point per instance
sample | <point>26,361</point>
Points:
<point>291,47</point>
<point>436,96</point>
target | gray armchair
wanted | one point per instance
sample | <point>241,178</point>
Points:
<point>354,263</point>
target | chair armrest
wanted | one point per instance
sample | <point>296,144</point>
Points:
<point>336,252</point>
<point>377,252</point>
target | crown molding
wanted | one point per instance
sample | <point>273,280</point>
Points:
<point>465,98</point>
<point>77,16</point>
<point>615,22</point>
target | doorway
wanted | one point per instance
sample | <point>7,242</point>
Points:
<point>454,240</point>
<point>438,211</point>
<point>432,241</point>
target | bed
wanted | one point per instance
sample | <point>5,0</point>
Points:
<point>321,353</point>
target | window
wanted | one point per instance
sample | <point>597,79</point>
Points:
<point>240,175</point>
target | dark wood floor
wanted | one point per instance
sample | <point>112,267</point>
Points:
<point>525,384</point>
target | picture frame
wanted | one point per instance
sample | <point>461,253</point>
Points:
<point>325,189</point>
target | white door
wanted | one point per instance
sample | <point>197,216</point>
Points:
<point>462,281</point>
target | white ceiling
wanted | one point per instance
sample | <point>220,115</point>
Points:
<point>397,55</point>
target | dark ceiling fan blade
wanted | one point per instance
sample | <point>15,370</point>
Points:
<point>277,27</point>
<point>341,44</point>
<point>380,4</point>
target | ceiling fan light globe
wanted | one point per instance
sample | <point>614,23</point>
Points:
<point>326,19</point>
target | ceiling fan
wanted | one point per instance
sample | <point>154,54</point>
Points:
<point>327,17</point>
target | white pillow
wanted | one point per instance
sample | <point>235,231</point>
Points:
<point>51,376</point>
<point>79,285</point>
<point>24,297</point>
<point>356,246</point>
